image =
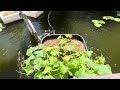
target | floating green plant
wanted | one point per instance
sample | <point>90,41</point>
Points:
<point>99,23</point>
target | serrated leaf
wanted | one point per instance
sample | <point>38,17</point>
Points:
<point>28,69</point>
<point>47,70</point>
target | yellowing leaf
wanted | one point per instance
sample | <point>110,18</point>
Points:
<point>105,17</point>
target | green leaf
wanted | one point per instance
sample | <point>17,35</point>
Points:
<point>102,22</point>
<point>80,72</point>
<point>103,69</point>
<point>97,25</point>
<point>49,77</point>
<point>62,42</point>
<point>45,63</point>
<point>68,36</point>
<point>49,49</point>
<point>117,19</point>
<point>53,60</point>
<point>39,75</point>
<point>38,63</point>
<point>70,48</point>
<point>54,53</point>
<point>89,53</point>
<point>47,70</point>
<point>29,51</point>
<point>111,17</point>
<point>38,60</point>
<point>66,58</point>
<point>42,53</point>
<point>28,69</point>
<point>60,37</point>
<point>102,60</point>
<point>27,61</point>
<point>95,21</point>
<point>63,69</point>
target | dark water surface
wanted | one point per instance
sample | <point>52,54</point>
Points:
<point>103,41</point>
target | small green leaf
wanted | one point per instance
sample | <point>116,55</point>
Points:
<point>53,60</point>
<point>66,58</point>
<point>117,19</point>
<point>102,22</point>
<point>47,70</point>
<point>70,48</point>
<point>38,60</point>
<point>38,63</point>
<point>89,53</point>
<point>102,60</point>
<point>49,49</point>
<point>39,75</point>
<point>80,72</point>
<point>28,69</point>
<point>54,53</point>
<point>97,25</point>
<point>29,51</point>
<point>103,69</point>
<point>62,42</point>
<point>27,61</point>
<point>42,54</point>
<point>60,37</point>
<point>111,17</point>
<point>63,68</point>
<point>45,63</point>
<point>95,21</point>
<point>68,36</point>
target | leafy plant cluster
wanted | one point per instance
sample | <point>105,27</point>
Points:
<point>45,62</point>
<point>99,23</point>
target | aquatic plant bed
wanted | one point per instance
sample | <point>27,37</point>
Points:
<point>9,16</point>
<point>63,57</point>
<point>33,14</point>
